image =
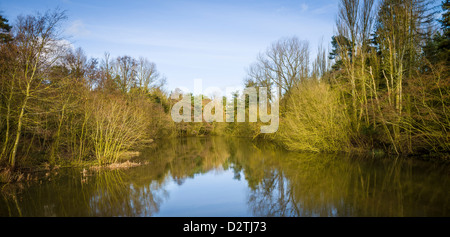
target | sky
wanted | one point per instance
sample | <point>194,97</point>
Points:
<point>198,39</point>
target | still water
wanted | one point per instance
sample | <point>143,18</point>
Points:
<point>235,177</point>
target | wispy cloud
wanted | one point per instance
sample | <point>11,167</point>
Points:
<point>77,28</point>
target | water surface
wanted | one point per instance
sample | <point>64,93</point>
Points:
<point>235,177</point>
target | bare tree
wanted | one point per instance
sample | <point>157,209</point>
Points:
<point>285,64</point>
<point>75,61</point>
<point>354,24</point>
<point>146,74</point>
<point>39,47</point>
<point>321,64</point>
<point>125,72</point>
<point>401,27</point>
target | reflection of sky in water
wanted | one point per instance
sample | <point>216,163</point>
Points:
<point>201,196</point>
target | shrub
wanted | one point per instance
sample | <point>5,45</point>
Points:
<point>315,121</point>
<point>116,126</point>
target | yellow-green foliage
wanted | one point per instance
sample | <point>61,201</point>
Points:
<point>117,125</point>
<point>315,121</point>
<point>245,129</point>
<point>426,122</point>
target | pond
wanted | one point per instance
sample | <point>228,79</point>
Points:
<point>234,177</point>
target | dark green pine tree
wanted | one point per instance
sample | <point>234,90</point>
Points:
<point>437,47</point>
<point>339,43</point>
<point>444,43</point>
<point>5,28</point>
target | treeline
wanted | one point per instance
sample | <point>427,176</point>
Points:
<point>58,106</point>
<point>384,84</point>
<point>382,87</point>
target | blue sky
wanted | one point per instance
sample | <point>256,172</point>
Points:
<point>212,40</point>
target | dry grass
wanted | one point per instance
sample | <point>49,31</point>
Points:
<point>8,176</point>
<point>116,166</point>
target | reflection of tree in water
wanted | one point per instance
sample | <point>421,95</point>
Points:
<point>293,184</point>
<point>279,183</point>
<point>182,158</point>
<point>144,193</point>
<point>139,191</point>
<point>115,196</point>
<point>277,199</point>
<point>107,193</point>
